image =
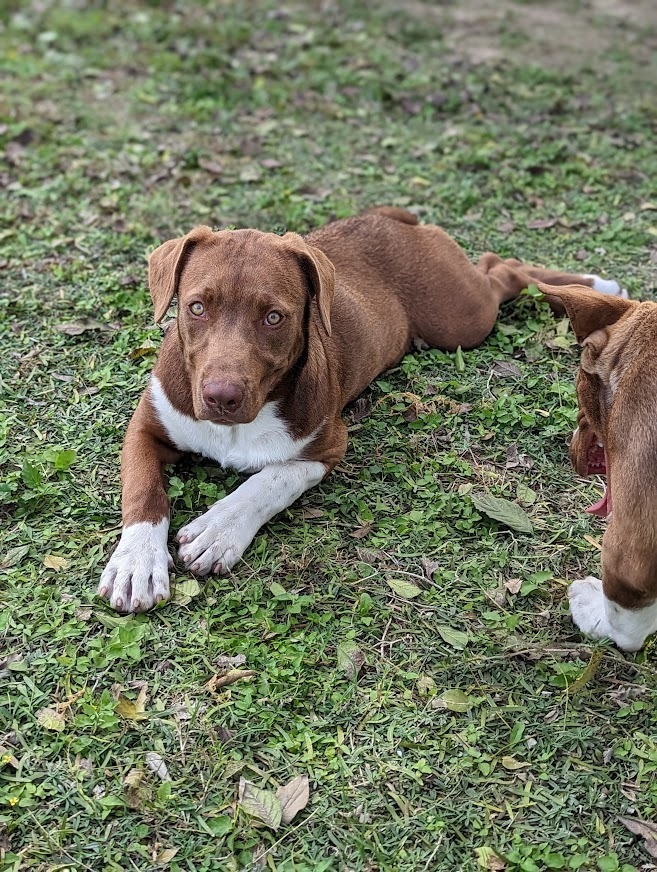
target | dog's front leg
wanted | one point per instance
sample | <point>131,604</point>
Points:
<point>137,574</point>
<point>216,540</point>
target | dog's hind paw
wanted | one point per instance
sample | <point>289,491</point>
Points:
<point>607,286</point>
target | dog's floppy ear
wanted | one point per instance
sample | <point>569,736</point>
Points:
<point>588,310</point>
<point>165,265</point>
<point>319,273</point>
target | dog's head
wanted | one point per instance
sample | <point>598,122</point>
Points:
<point>245,302</point>
<point>617,378</point>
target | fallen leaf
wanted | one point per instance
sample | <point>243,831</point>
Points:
<point>361,409</point>
<point>506,369</point>
<point>81,325</point>
<point>513,585</point>
<point>147,347</point>
<point>210,166</point>
<point>489,860</point>
<point>311,512</point>
<point>156,765</point>
<point>51,561</point>
<point>185,591</point>
<point>425,685</point>
<point>261,804</point>
<point>504,511</point>
<point>514,458</point>
<point>429,566</point>
<point>136,792</point>
<point>454,700</point>
<point>512,764</point>
<point>350,659</point>
<point>525,494</point>
<point>51,719</point>
<point>14,556</point>
<point>293,797</point>
<point>227,678</point>
<point>166,856</point>
<point>133,711</point>
<point>456,638</point>
<point>404,588</point>
<point>646,829</point>
<point>361,532</point>
<point>226,661</point>
<point>541,223</point>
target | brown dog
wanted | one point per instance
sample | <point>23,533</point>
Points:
<point>274,336</point>
<point>617,437</point>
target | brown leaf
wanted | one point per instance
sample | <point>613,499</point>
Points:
<point>506,226</point>
<point>350,658</point>
<point>211,166</point>
<point>541,223</point>
<point>51,561</point>
<point>361,532</point>
<point>513,585</point>
<point>156,765</point>
<point>227,678</point>
<point>294,797</point>
<point>166,856</point>
<point>429,566</point>
<point>310,512</point>
<point>506,369</point>
<point>361,409</point>
<point>80,325</point>
<point>646,829</point>
<point>515,459</point>
<point>270,163</point>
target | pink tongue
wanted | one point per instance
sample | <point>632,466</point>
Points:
<point>601,508</point>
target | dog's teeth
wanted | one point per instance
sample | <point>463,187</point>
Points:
<point>599,444</point>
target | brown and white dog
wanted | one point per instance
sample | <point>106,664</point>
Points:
<point>274,336</point>
<point>617,437</point>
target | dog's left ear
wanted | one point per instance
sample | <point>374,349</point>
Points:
<point>319,273</point>
<point>165,266</point>
<point>588,310</point>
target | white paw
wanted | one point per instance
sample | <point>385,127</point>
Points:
<point>137,575</point>
<point>587,606</point>
<point>607,286</point>
<point>215,541</point>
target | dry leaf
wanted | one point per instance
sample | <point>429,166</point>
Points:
<point>156,765</point>
<point>166,856</point>
<point>350,658</point>
<point>429,566</point>
<point>133,711</point>
<point>646,829</point>
<point>54,562</point>
<point>310,512</point>
<point>513,585</point>
<point>185,591</point>
<point>511,763</point>
<point>50,719</point>
<point>293,797</point>
<point>506,369</point>
<point>361,532</point>
<point>261,804</point>
<point>595,542</point>
<point>588,673</point>
<point>210,166</point>
<point>81,325</point>
<point>225,661</point>
<point>227,678</point>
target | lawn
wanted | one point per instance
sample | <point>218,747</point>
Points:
<point>409,655</point>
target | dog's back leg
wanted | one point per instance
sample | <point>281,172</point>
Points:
<point>509,277</point>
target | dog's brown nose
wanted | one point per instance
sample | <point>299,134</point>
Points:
<point>222,396</point>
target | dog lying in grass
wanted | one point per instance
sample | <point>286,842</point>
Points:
<point>616,437</point>
<point>274,336</point>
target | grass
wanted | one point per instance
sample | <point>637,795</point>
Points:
<point>126,123</point>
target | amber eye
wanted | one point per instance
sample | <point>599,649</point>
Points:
<point>197,309</point>
<point>273,319</point>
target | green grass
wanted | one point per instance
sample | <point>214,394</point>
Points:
<point>126,123</point>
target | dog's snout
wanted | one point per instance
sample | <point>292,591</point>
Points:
<point>220,395</point>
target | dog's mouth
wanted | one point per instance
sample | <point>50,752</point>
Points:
<point>598,464</point>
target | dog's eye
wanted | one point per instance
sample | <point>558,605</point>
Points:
<point>273,319</point>
<point>197,309</point>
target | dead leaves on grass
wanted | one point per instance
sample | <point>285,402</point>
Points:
<point>274,809</point>
<point>646,829</point>
<point>82,325</point>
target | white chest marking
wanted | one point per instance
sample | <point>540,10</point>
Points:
<point>245,447</point>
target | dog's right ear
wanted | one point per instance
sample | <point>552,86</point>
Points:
<point>588,310</point>
<point>165,266</point>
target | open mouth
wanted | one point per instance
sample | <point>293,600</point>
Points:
<point>598,464</point>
